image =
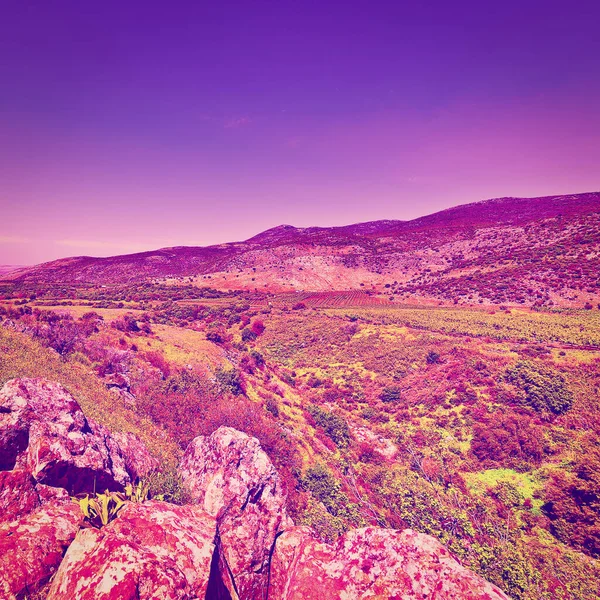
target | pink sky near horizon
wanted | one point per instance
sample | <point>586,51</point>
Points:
<point>136,165</point>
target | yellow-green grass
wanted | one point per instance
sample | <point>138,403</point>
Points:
<point>185,346</point>
<point>526,483</point>
<point>78,310</point>
<point>20,356</point>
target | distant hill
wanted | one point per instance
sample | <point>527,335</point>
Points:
<point>505,250</point>
<point>5,269</point>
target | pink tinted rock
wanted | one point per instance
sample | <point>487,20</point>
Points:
<point>232,478</point>
<point>372,563</point>
<point>18,495</point>
<point>151,551</point>
<point>44,431</point>
<point>137,461</point>
<point>32,547</point>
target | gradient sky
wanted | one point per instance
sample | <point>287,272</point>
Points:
<point>127,126</point>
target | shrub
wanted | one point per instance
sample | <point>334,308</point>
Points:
<point>507,439</point>
<point>230,381</point>
<point>272,406</point>
<point>126,323</point>
<point>543,389</point>
<point>158,360</point>
<point>257,357</point>
<point>257,327</point>
<point>333,425</point>
<point>248,335</point>
<point>432,358</point>
<point>573,501</point>
<point>392,393</point>
<point>214,336</point>
<point>322,484</point>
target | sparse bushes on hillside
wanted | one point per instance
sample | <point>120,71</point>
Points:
<point>126,323</point>
<point>572,501</point>
<point>507,439</point>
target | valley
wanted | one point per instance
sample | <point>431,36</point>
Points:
<point>432,397</point>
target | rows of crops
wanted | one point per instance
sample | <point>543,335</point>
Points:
<point>331,299</point>
<point>579,328</point>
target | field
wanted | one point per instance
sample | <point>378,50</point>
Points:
<point>576,328</point>
<point>478,426</point>
<point>329,299</point>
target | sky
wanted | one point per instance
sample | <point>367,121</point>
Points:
<point>127,126</point>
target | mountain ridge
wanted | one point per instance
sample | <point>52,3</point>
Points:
<point>549,239</point>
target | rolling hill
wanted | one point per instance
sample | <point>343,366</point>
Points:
<point>508,250</point>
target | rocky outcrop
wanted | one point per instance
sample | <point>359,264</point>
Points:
<point>231,477</point>
<point>44,432</point>
<point>152,551</point>
<point>48,451</point>
<point>372,563</point>
<point>32,547</point>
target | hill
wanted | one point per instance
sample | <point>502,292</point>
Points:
<point>540,251</point>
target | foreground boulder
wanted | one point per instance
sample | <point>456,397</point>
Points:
<point>231,477</point>
<point>44,432</point>
<point>371,563</point>
<point>151,551</point>
<point>32,547</point>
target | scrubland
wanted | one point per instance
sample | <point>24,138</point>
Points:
<point>477,426</point>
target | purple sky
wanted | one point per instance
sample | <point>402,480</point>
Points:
<point>135,125</point>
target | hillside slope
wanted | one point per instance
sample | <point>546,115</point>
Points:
<point>507,250</point>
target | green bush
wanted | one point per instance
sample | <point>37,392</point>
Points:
<point>333,425</point>
<point>322,484</point>
<point>248,335</point>
<point>543,389</point>
<point>392,393</point>
<point>230,381</point>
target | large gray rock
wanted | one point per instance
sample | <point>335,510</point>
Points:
<point>44,432</point>
<point>231,477</point>
<point>372,563</point>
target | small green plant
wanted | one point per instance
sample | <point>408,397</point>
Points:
<point>101,509</point>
